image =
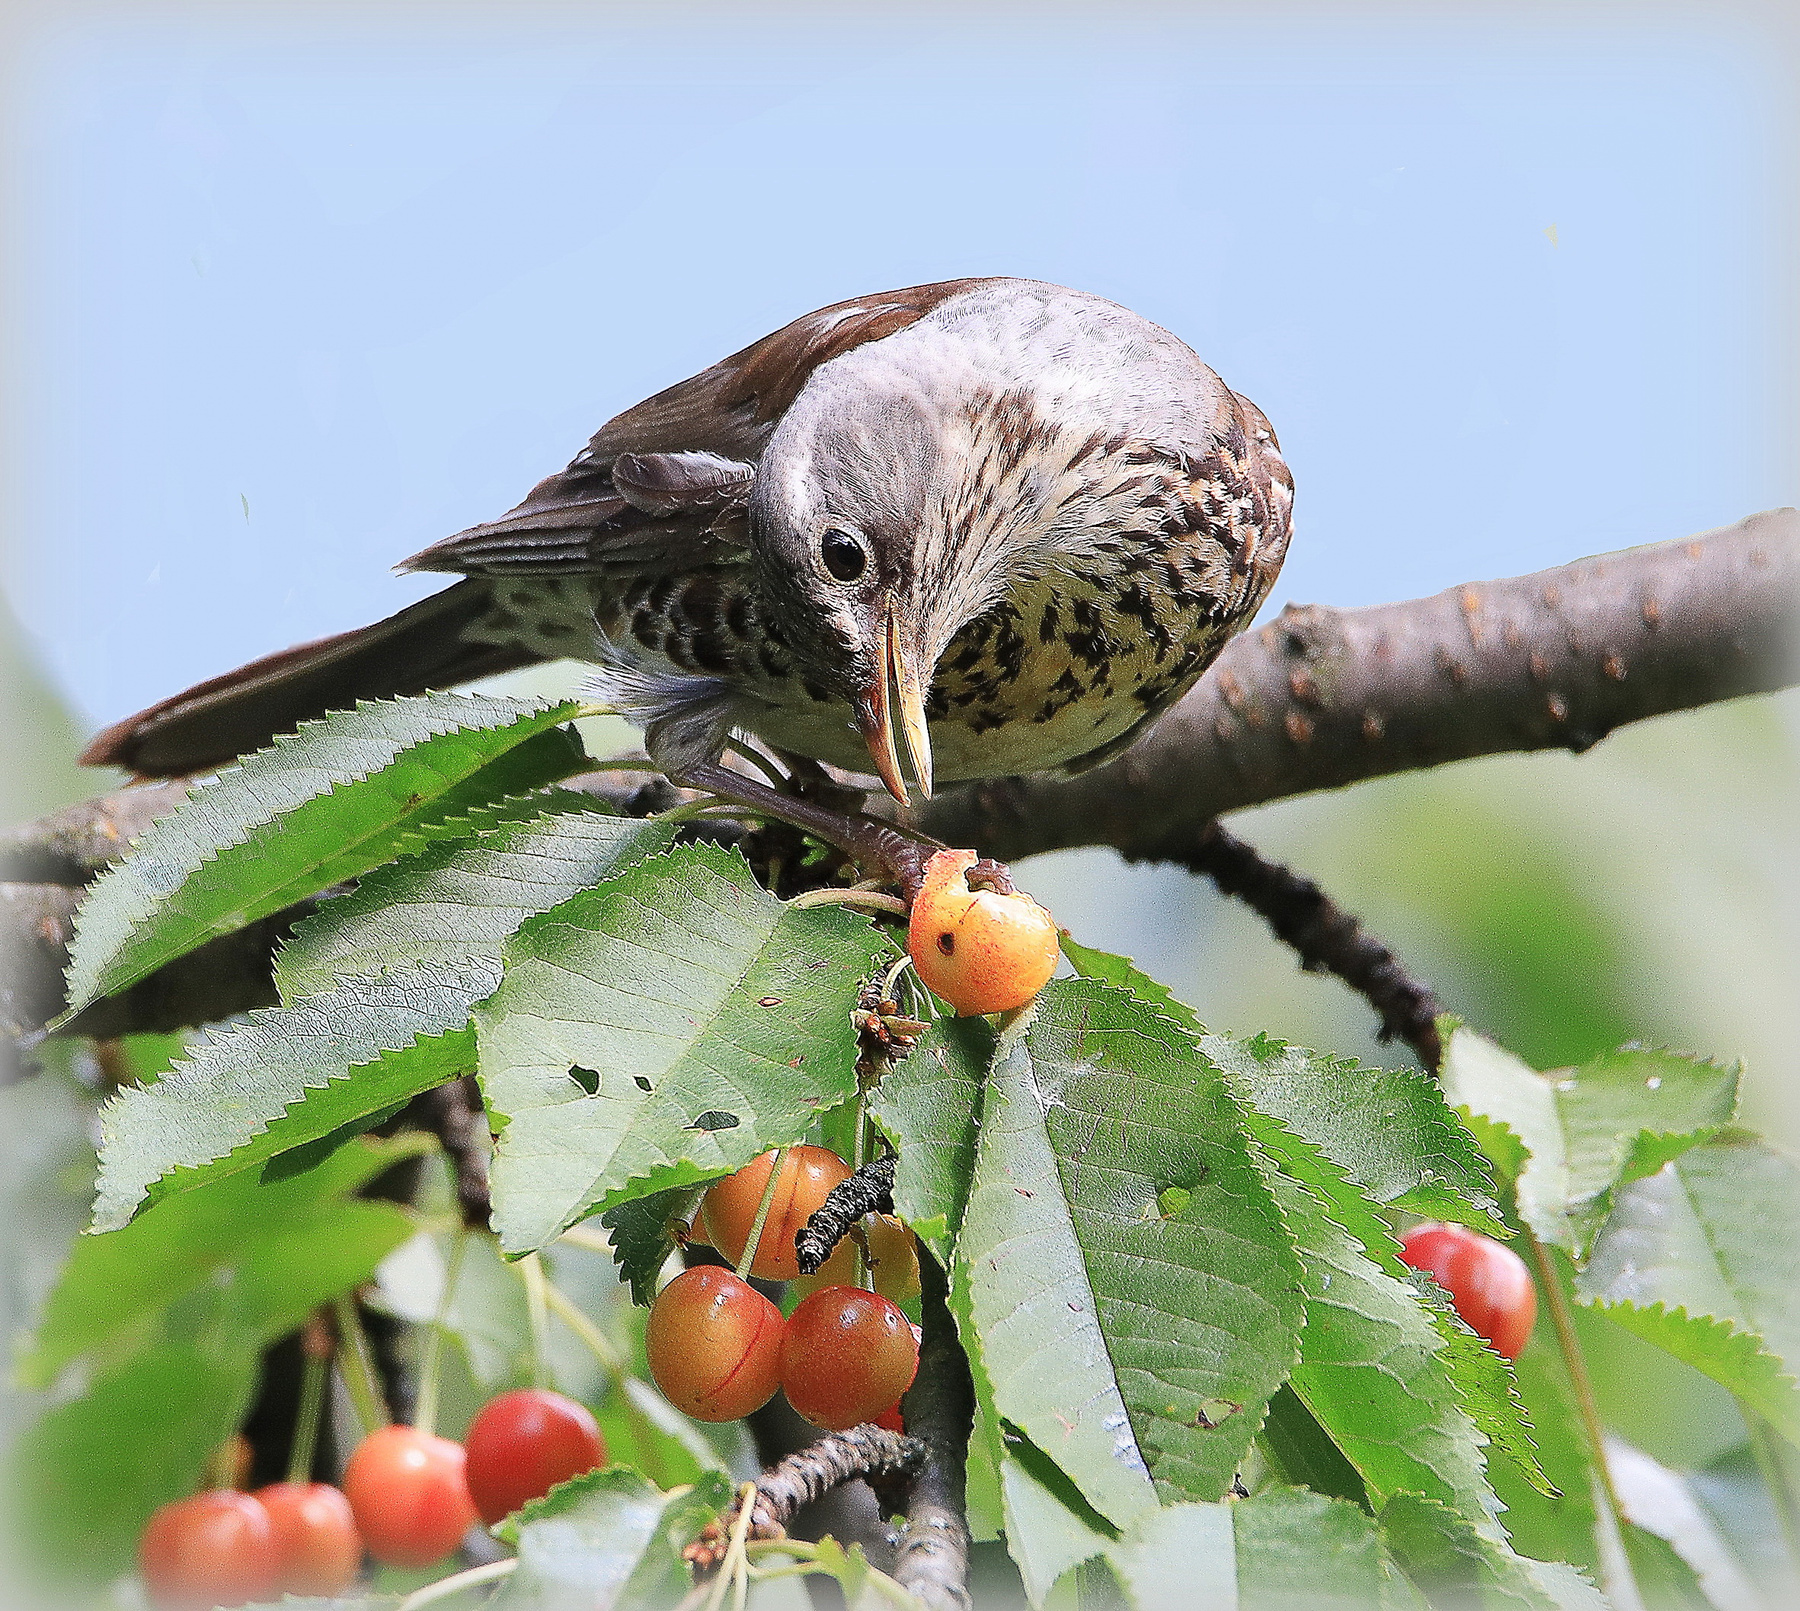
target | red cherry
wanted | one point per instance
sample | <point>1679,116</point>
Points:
<point>409,1496</point>
<point>729,1208</point>
<point>714,1344</point>
<point>980,950</point>
<point>317,1547</point>
<point>1488,1283</point>
<point>847,1356</point>
<point>891,1418</point>
<point>522,1444</point>
<point>213,1549</point>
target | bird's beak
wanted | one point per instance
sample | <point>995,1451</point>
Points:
<point>896,689</point>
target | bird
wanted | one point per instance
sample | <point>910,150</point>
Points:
<point>994,523</point>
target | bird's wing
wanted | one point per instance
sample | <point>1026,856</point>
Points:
<point>683,457</point>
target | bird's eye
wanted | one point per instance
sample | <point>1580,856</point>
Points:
<point>843,555</point>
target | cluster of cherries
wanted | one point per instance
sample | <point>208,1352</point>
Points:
<point>408,1498</point>
<point>719,1349</point>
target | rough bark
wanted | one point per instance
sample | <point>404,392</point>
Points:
<point>1321,697</point>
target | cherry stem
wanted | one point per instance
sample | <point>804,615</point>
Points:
<point>753,1242</point>
<point>874,899</point>
<point>531,1272</point>
<point>431,1370</point>
<point>447,1586</point>
<point>315,1348</point>
<point>1621,1584</point>
<point>353,1362</point>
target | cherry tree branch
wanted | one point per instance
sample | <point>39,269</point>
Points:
<point>1322,697</point>
<point>1317,699</point>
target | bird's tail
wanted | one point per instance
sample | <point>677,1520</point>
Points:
<point>424,646</point>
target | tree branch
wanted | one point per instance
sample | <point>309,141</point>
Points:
<point>1317,699</point>
<point>1320,697</point>
<point>939,1410</point>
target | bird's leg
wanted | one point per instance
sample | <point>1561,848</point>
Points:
<point>881,849</point>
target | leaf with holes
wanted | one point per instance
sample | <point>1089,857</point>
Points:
<point>1582,1133</point>
<point>1389,1130</point>
<point>342,795</point>
<point>305,1075</point>
<point>661,1029</point>
<point>926,1107</point>
<point>1132,1291</point>
<point>463,898</point>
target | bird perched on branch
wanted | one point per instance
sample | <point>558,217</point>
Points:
<point>992,523</point>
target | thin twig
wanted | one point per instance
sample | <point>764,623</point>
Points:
<point>870,1190</point>
<point>1327,937</point>
<point>939,1409</point>
<point>870,1452</point>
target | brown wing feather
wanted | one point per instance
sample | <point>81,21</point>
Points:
<point>576,521</point>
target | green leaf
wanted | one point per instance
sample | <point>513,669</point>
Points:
<point>926,1107</point>
<point>1455,1565</point>
<point>1136,1347</point>
<point>1124,974</point>
<point>1373,1368</point>
<point>342,795</point>
<point>610,1538</point>
<point>1586,1131</point>
<point>1389,1130</point>
<point>1735,1359</point>
<point>1050,1528</point>
<point>276,1250</point>
<point>1559,1528</point>
<point>1715,1233</point>
<point>1301,1451</point>
<point>643,1235</point>
<point>664,1028</point>
<point>285,1077</point>
<point>87,1475</point>
<point>463,898</point>
<point>1280,1550</point>
<point>1479,1381</point>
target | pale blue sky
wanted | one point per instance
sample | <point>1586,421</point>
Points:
<point>297,293</point>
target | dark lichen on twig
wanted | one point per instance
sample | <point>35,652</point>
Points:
<point>870,1190</point>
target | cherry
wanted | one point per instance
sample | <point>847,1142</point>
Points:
<point>847,1356</point>
<point>408,1494</point>
<point>890,1418</point>
<point>980,950</point>
<point>212,1549</point>
<point>522,1444</point>
<point>729,1207</point>
<point>318,1550</point>
<point>1488,1283</point>
<point>714,1344</point>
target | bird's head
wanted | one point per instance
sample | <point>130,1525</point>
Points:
<point>874,548</point>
